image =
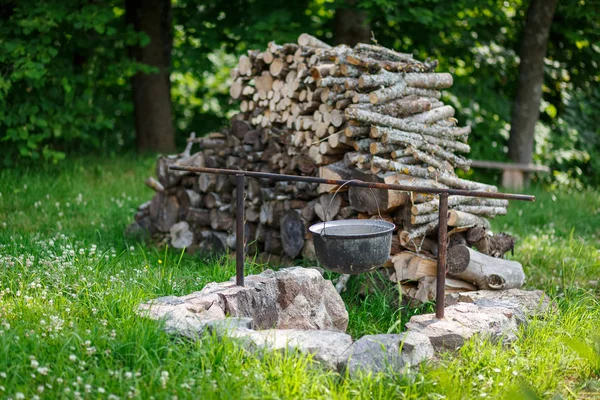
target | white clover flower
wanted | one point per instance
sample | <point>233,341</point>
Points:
<point>40,389</point>
<point>3,375</point>
<point>43,370</point>
<point>128,375</point>
<point>19,396</point>
<point>34,363</point>
<point>164,378</point>
<point>73,357</point>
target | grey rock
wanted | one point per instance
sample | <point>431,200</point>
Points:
<point>380,353</point>
<point>183,322</point>
<point>169,300</point>
<point>325,346</point>
<point>525,303</point>
<point>222,327</point>
<point>291,298</point>
<point>463,321</point>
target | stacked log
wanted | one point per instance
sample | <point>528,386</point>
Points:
<point>367,113</point>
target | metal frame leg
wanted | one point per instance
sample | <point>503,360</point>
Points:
<point>441,261</point>
<point>239,230</point>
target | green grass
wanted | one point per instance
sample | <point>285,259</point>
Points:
<point>70,283</point>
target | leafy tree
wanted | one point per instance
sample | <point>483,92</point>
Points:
<point>64,77</point>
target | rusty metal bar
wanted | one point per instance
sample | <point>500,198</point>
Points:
<point>358,183</point>
<point>441,257</point>
<point>239,230</point>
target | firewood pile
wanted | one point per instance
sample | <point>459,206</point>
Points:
<point>367,113</point>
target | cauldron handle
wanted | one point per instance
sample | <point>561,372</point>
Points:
<point>335,194</point>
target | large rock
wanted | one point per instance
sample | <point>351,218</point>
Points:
<point>291,298</point>
<point>464,320</point>
<point>392,352</point>
<point>325,346</point>
<point>525,303</point>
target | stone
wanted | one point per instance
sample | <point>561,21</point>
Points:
<point>463,321</point>
<point>325,346</point>
<point>182,322</point>
<point>391,352</point>
<point>525,303</point>
<point>290,298</point>
<point>222,327</point>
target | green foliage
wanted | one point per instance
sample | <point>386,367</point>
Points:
<point>63,77</point>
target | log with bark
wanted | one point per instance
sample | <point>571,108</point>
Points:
<point>484,271</point>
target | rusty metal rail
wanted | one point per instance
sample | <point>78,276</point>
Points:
<point>443,212</point>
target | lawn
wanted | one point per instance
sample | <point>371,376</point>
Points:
<point>70,283</point>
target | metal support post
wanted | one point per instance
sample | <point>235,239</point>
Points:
<point>441,261</point>
<point>239,230</point>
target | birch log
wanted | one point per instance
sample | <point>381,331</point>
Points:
<point>484,271</point>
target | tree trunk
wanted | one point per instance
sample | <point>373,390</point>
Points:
<point>526,108</point>
<point>351,25</point>
<point>151,92</point>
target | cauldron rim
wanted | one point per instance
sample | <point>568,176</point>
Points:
<point>386,227</point>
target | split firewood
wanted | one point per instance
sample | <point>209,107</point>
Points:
<point>411,266</point>
<point>212,242</point>
<point>389,135</point>
<point>181,235</point>
<point>375,118</point>
<point>154,184</point>
<point>311,41</point>
<point>198,216</point>
<point>445,178</point>
<point>335,171</point>
<point>327,206</point>
<point>493,245</point>
<point>375,201</point>
<point>422,230</point>
<point>292,233</point>
<point>487,211</point>
<point>463,219</point>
